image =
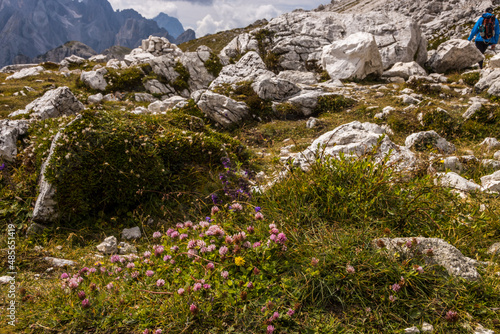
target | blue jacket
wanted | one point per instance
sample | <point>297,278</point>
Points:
<point>475,30</point>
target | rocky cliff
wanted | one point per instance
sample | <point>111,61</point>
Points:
<point>32,27</point>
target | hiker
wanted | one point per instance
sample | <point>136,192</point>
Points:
<point>486,31</point>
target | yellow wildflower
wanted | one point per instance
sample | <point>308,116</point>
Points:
<point>239,261</point>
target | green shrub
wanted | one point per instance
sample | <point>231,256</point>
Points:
<point>213,65</point>
<point>129,79</point>
<point>333,103</point>
<point>441,122</point>
<point>113,161</point>
<point>471,78</point>
<point>181,82</point>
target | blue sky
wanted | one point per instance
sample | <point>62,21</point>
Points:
<point>210,16</point>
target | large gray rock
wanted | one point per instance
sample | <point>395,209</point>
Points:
<point>26,72</point>
<point>238,45</point>
<point>455,54</point>
<point>489,80</point>
<point>356,139</point>
<point>10,131</point>
<point>444,254</point>
<point>490,143</point>
<point>95,79</point>
<point>167,104</point>
<point>298,77</point>
<point>156,87</point>
<point>355,57</point>
<point>307,101</point>
<point>108,246</point>
<point>55,103</point>
<point>298,36</point>
<point>491,182</point>
<point>59,262</point>
<point>496,155</point>
<point>475,107</point>
<point>131,233</point>
<point>428,140</point>
<point>248,68</point>
<point>494,61</point>
<point>405,70</point>
<point>199,76</point>
<point>269,87</point>
<point>222,109</point>
<point>491,164</point>
<point>494,249</point>
<point>455,181</point>
<point>45,206</point>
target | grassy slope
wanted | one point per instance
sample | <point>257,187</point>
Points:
<point>330,214</point>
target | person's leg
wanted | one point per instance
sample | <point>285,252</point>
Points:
<point>482,46</point>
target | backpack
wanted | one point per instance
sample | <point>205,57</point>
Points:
<point>487,28</point>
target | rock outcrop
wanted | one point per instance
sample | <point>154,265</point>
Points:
<point>440,253</point>
<point>355,57</point>
<point>298,37</point>
<point>356,139</point>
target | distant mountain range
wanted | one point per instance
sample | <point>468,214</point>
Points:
<point>30,28</point>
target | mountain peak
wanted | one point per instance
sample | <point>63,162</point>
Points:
<point>169,23</point>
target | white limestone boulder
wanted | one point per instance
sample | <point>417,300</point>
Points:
<point>490,144</point>
<point>165,105</point>
<point>156,87</point>
<point>108,246</point>
<point>238,45</point>
<point>455,54</point>
<point>10,131</point>
<point>131,233</point>
<point>248,68</point>
<point>194,62</point>
<point>222,109</point>
<point>269,87</point>
<point>491,182</point>
<point>299,77</point>
<point>455,181</point>
<point>55,103</point>
<point>356,139</point>
<point>428,140</point>
<point>472,110</point>
<point>494,61</point>
<point>26,72</point>
<point>95,79</point>
<point>355,57</point>
<point>95,99</point>
<point>443,254</point>
<point>405,70</point>
<point>46,206</point>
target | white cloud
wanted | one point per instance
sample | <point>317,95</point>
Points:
<point>210,16</point>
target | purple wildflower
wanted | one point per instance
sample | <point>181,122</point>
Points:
<point>250,285</point>
<point>396,287</point>
<point>270,329</point>
<point>157,235</point>
<point>350,269</point>
<point>210,266</point>
<point>206,286</point>
<point>392,298</point>
<point>259,216</point>
<point>193,309</point>
<point>180,291</point>
<point>115,258</point>
<point>290,312</point>
<point>110,286</point>
<point>451,316</point>
<point>85,303</point>
<point>160,282</point>
<point>149,273</point>
<point>282,238</point>
<point>257,208</point>
<point>197,286</point>
<point>64,276</point>
<point>224,274</point>
<point>81,295</point>
<point>223,250</point>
